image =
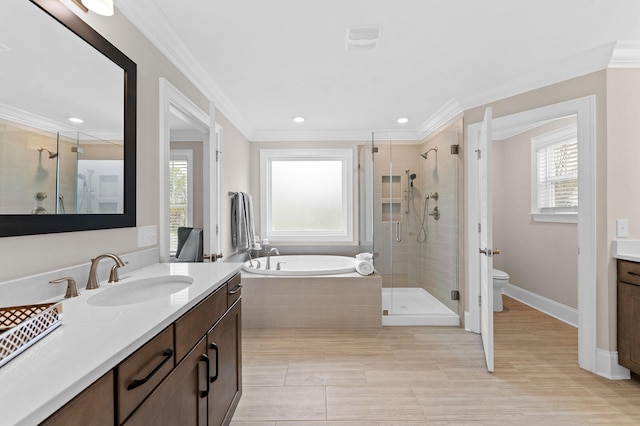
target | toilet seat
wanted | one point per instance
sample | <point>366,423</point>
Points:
<point>500,275</point>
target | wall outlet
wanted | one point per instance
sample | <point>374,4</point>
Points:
<point>147,236</point>
<point>622,228</point>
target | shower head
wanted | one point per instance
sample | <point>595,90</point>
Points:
<point>413,176</point>
<point>52,155</point>
<point>425,155</point>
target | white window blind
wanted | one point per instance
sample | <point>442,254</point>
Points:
<point>180,195</point>
<point>555,189</point>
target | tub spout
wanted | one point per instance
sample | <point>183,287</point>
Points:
<point>273,250</point>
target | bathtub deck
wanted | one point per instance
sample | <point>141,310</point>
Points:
<point>330,301</point>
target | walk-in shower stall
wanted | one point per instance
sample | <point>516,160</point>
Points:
<point>409,203</point>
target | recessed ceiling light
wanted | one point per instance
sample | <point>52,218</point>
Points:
<point>299,119</point>
<point>403,120</point>
<point>76,120</point>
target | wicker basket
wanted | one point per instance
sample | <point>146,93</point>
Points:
<point>22,326</point>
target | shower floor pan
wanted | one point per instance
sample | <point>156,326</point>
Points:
<point>415,306</point>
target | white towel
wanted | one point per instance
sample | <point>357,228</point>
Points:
<point>364,256</point>
<point>364,267</point>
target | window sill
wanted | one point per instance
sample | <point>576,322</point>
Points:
<point>555,217</point>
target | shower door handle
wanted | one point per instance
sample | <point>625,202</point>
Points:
<point>398,231</point>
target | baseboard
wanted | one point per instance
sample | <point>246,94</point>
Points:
<point>607,366</point>
<point>550,307</point>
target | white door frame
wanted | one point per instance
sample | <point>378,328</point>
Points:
<point>587,301</point>
<point>172,101</point>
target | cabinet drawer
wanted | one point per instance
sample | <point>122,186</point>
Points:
<point>629,272</point>
<point>233,290</point>
<point>139,374</point>
<point>194,324</point>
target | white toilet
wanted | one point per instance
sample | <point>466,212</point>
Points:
<point>500,280</point>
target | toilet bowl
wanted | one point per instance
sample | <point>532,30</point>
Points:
<point>500,280</point>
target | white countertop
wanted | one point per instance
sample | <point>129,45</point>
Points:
<point>94,339</point>
<point>626,250</point>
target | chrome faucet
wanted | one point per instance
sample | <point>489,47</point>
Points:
<point>92,282</point>
<point>273,250</point>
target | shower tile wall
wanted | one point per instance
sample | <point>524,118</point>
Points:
<point>440,253</point>
<point>432,265</point>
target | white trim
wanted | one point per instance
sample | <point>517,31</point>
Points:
<point>555,217</point>
<point>151,22</point>
<point>609,367</point>
<point>566,69</point>
<point>626,54</point>
<point>445,115</point>
<point>550,307</point>
<point>173,101</point>
<point>587,290</point>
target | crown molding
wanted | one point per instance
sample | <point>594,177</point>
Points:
<point>146,17</point>
<point>334,135</point>
<point>593,60</point>
<point>447,113</point>
<point>626,54</point>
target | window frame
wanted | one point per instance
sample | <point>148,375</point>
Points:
<point>182,155</point>
<point>558,136</point>
<point>345,156</point>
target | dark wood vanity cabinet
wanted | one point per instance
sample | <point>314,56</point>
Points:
<point>95,403</point>
<point>629,315</point>
<point>188,374</point>
<point>225,350</point>
<point>181,399</point>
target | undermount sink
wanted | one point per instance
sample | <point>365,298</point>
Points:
<point>141,290</point>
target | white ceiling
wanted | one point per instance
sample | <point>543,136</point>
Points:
<point>264,62</point>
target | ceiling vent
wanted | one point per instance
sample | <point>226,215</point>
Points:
<point>363,38</point>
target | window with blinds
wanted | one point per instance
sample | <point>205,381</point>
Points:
<point>555,172</point>
<point>180,194</point>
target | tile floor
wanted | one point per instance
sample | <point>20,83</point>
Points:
<point>427,376</point>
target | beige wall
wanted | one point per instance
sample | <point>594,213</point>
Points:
<point>622,169</point>
<point>33,254</point>
<point>235,176</point>
<point>590,84</point>
<point>540,257</point>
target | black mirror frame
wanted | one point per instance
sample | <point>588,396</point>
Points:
<point>16,225</point>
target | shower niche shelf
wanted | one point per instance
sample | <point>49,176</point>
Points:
<point>391,187</point>
<point>391,211</point>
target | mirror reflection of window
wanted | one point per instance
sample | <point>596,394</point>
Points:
<point>180,194</point>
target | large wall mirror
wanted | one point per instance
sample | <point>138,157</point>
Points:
<point>67,124</point>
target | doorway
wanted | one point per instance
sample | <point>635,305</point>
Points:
<point>180,120</point>
<point>584,109</point>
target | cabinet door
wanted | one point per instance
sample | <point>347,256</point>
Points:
<point>629,326</point>
<point>93,406</point>
<point>181,399</point>
<point>225,350</point>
